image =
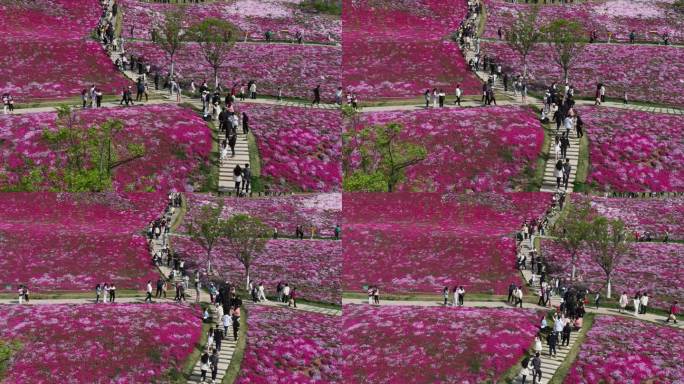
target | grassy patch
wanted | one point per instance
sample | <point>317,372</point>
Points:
<point>426,297</point>
<point>538,177</point>
<point>572,355</point>
<point>258,183</point>
<point>239,354</point>
<point>582,166</point>
<point>7,349</point>
<point>330,7</point>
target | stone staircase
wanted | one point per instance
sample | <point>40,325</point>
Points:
<point>549,181</point>
<point>226,179</point>
<point>551,364</point>
<point>228,346</point>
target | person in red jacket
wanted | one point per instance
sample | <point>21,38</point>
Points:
<point>674,310</point>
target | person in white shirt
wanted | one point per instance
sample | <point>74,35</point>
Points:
<point>623,302</point>
<point>226,320</point>
<point>286,293</point>
<point>458,94</point>
<point>644,303</point>
<point>261,293</point>
<point>148,299</point>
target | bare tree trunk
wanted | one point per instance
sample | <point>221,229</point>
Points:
<point>574,267</point>
<point>608,293</point>
<point>247,274</point>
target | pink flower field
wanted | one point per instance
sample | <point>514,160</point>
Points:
<point>633,151</point>
<point>390,53</point>
<point>657,216</point>
<point>492,149</point>
<point>297,69</point>
<point>628,351</point>
<point>651,267</point>
<point>650,73</point>
<point>97,344</point>
<point>56,69</point>
<point>299,148</point>
<point>72,242</point>
<point>286,346</point>
<point>619,17</point>
<point>177,144</point>
<point>322,211</point>
<point>312,266</point>
<point>283,18</point>
<point>405,244</point>
<point>396,344</point>
<point>48,19</point>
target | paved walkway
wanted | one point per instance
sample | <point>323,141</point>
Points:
<point>572,154</point>
<point>304,307</point>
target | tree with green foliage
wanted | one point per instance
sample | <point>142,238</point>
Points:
<point>568,40</point>
<point>170,35</point>
<point>90,153</point>
<point>573,228</point>
<point>607,244</point>
<point>523,34</point>
<point>7,350</point>
<point>215,38</point>
<point>383,157</point>
<point>207,229</point>
<point>247,237</point>
<point>333,7</point>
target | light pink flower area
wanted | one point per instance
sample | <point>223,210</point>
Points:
<point>403,344</point>
<point>297,69</point>
<point>482,150</point>
<point>287,346</point>
<point>649,73</point>
<point>321,210</point>
<point>49,54</point>
<point>655,268</point>
<point>647,18</point>
<point>399,49</point>
<point>618,350</point>
<point>177,144</point>
<point>656,216</point>
<point>300,148</point>
<point>633,151</point>
<point>419,244</point>
<point>283,18</point>
<point>87,344</point>
<point>72,242</point>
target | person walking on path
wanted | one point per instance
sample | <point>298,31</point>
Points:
<point>204,366</point>
<point>445,294</point>
<point>637,303</point>
<point>552,341</point>
<point>112,293</point>
<point>565,336</point>
<point>537,372</point>
<point>458,94</point>
<point>644,303</point>
<point>567,168</point>
<point>461,295</point>
<point>148,299</point>
<point>317,95</point>
<point>246,179</point>
<point>214,360</point>
<point>235,316</point>
<point>218,338</point>
<point>98,292</point>
<point>426,95</point>
<point>622,302</point>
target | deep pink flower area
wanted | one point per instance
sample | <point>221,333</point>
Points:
<point>313,267</point>
<point>619,350</point>
<point>55,69</point>
<point>634,151</point>
<point>177,144</point>
<point>405,243</point>
<point>254,17</point>
<point>300,148</point>
<point>323,211</point>
<point>648,19</point>
<point>287,346</point>
<point>404,344</point>
<point>492,149</point>
<point>650,73</point>
<point>397,50</point>
<point>296,69</point>
<point>72,242</point>
<point>654,268</point>
<point>658,216</point>
<point>48,19</point>
<point>107,343</point>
